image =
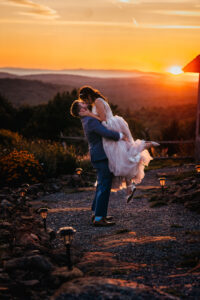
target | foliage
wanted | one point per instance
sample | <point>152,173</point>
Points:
<point>53,158</point>
<point>162,163</point>
<point>7,114</point>
<point>9,139</point>
<point>47,121</point>
<point>155,119</point>
<point>20,166</point>
<point>138,130</point>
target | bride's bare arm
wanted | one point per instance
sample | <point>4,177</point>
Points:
<point>100,108</point>
<point>88,113</point>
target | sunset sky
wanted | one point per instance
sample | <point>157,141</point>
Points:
<point>149,35</point>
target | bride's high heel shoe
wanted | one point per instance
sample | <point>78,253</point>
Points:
<point>130,196</point>
<point>151,144</point>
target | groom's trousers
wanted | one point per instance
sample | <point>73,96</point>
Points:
<point>104,183</point>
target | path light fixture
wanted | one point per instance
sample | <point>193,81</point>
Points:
<point>79,171</point>
<point>162,183</point>
<point>197,167</point>
<point>67,233</point>
<point>43,211</point>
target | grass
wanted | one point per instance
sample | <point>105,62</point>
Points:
<point>190,259</point>
<point>157,204</point>
<point>174,292</point>
<point>162,163</point>
<point>194,233</point>
<point>182,175</point>
<point>123,230</point>
<point>176,226</point>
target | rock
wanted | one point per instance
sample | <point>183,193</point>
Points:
<point>40,263</point>
<point>16,263</point>
<point>64,274</point>
<point>5,225</point>
<point>59,256</point>
<point>157,204</point>
<point>52,234</point>
<point>106,288</point>
<point>36,262</point>
<point>40,194</point>
<point>28,239</point>
<point>5,203</point>
<point>27,218</point>
<point>56,187</point>
<point>30,283</point>
<point>4,246</point>
<point>4,277</point>
<point>33,189</point>
<point>5,235</point>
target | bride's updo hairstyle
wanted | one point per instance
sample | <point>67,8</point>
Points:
<point>86,91</point>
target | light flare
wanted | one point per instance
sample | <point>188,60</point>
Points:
<point>175,70</point>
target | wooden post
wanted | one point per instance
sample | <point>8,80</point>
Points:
<point>194,67</point>
<point>197,141</point>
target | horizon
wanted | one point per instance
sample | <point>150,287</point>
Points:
<point>98,73</point>
<point>146,35</point>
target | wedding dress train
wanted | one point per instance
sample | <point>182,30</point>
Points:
<point>127,159</point>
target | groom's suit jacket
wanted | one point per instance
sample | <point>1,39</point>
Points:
<point>94,132</point>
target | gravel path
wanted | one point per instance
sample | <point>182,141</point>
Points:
<point>161,241</point>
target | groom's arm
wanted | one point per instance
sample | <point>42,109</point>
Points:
<point>95,126</point>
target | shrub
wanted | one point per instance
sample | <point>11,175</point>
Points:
<point>19,167</point>
<point>10,139</point>
<point>53,157</point>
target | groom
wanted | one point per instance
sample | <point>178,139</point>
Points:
<point>94,132</point>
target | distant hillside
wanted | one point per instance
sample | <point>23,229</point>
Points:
<point>31,92</point>
<point>129,93</point>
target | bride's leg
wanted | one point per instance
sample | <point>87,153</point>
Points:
<point>128,186</point>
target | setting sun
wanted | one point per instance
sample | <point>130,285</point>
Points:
<point>175,70</point>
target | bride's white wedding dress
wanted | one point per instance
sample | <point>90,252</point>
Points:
<point>126,158</point>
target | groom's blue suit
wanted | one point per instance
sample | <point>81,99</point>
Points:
<point>94,132</point>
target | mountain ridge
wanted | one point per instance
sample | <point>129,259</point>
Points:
<point>127,93</point>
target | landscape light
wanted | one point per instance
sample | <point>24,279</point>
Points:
<point>162,182</point>
<point>43,211</point>
<point>67,233</point>
<point>197,167</point>
<point>79,171</point>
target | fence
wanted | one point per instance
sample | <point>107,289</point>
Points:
<point>76,138</point>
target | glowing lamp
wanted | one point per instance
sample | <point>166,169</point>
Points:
<point>162,182</point>
<point>197,167</point>
<point>67,233</point>
<point>79,171</point>
<point>43,211</point>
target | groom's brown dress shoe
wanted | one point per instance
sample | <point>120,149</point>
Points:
<point>108,218</point>
<point>103,223</point>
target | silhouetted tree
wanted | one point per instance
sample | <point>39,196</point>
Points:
<point>48,120</point>
<point>7,114</point>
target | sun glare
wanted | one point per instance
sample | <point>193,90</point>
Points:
<point>175,70</point>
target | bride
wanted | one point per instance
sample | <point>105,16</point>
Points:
<point>127,159</point>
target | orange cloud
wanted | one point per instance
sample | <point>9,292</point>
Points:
<point>35,9</point>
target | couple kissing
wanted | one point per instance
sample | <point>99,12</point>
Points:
<point>115,155</point>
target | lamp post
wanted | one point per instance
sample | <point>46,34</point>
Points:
<point>67,233</point>
<point>197,167</point>
<point>43,211</point>
<point>194,67</point>
<point>162,183</point>
<point>79,171</point>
